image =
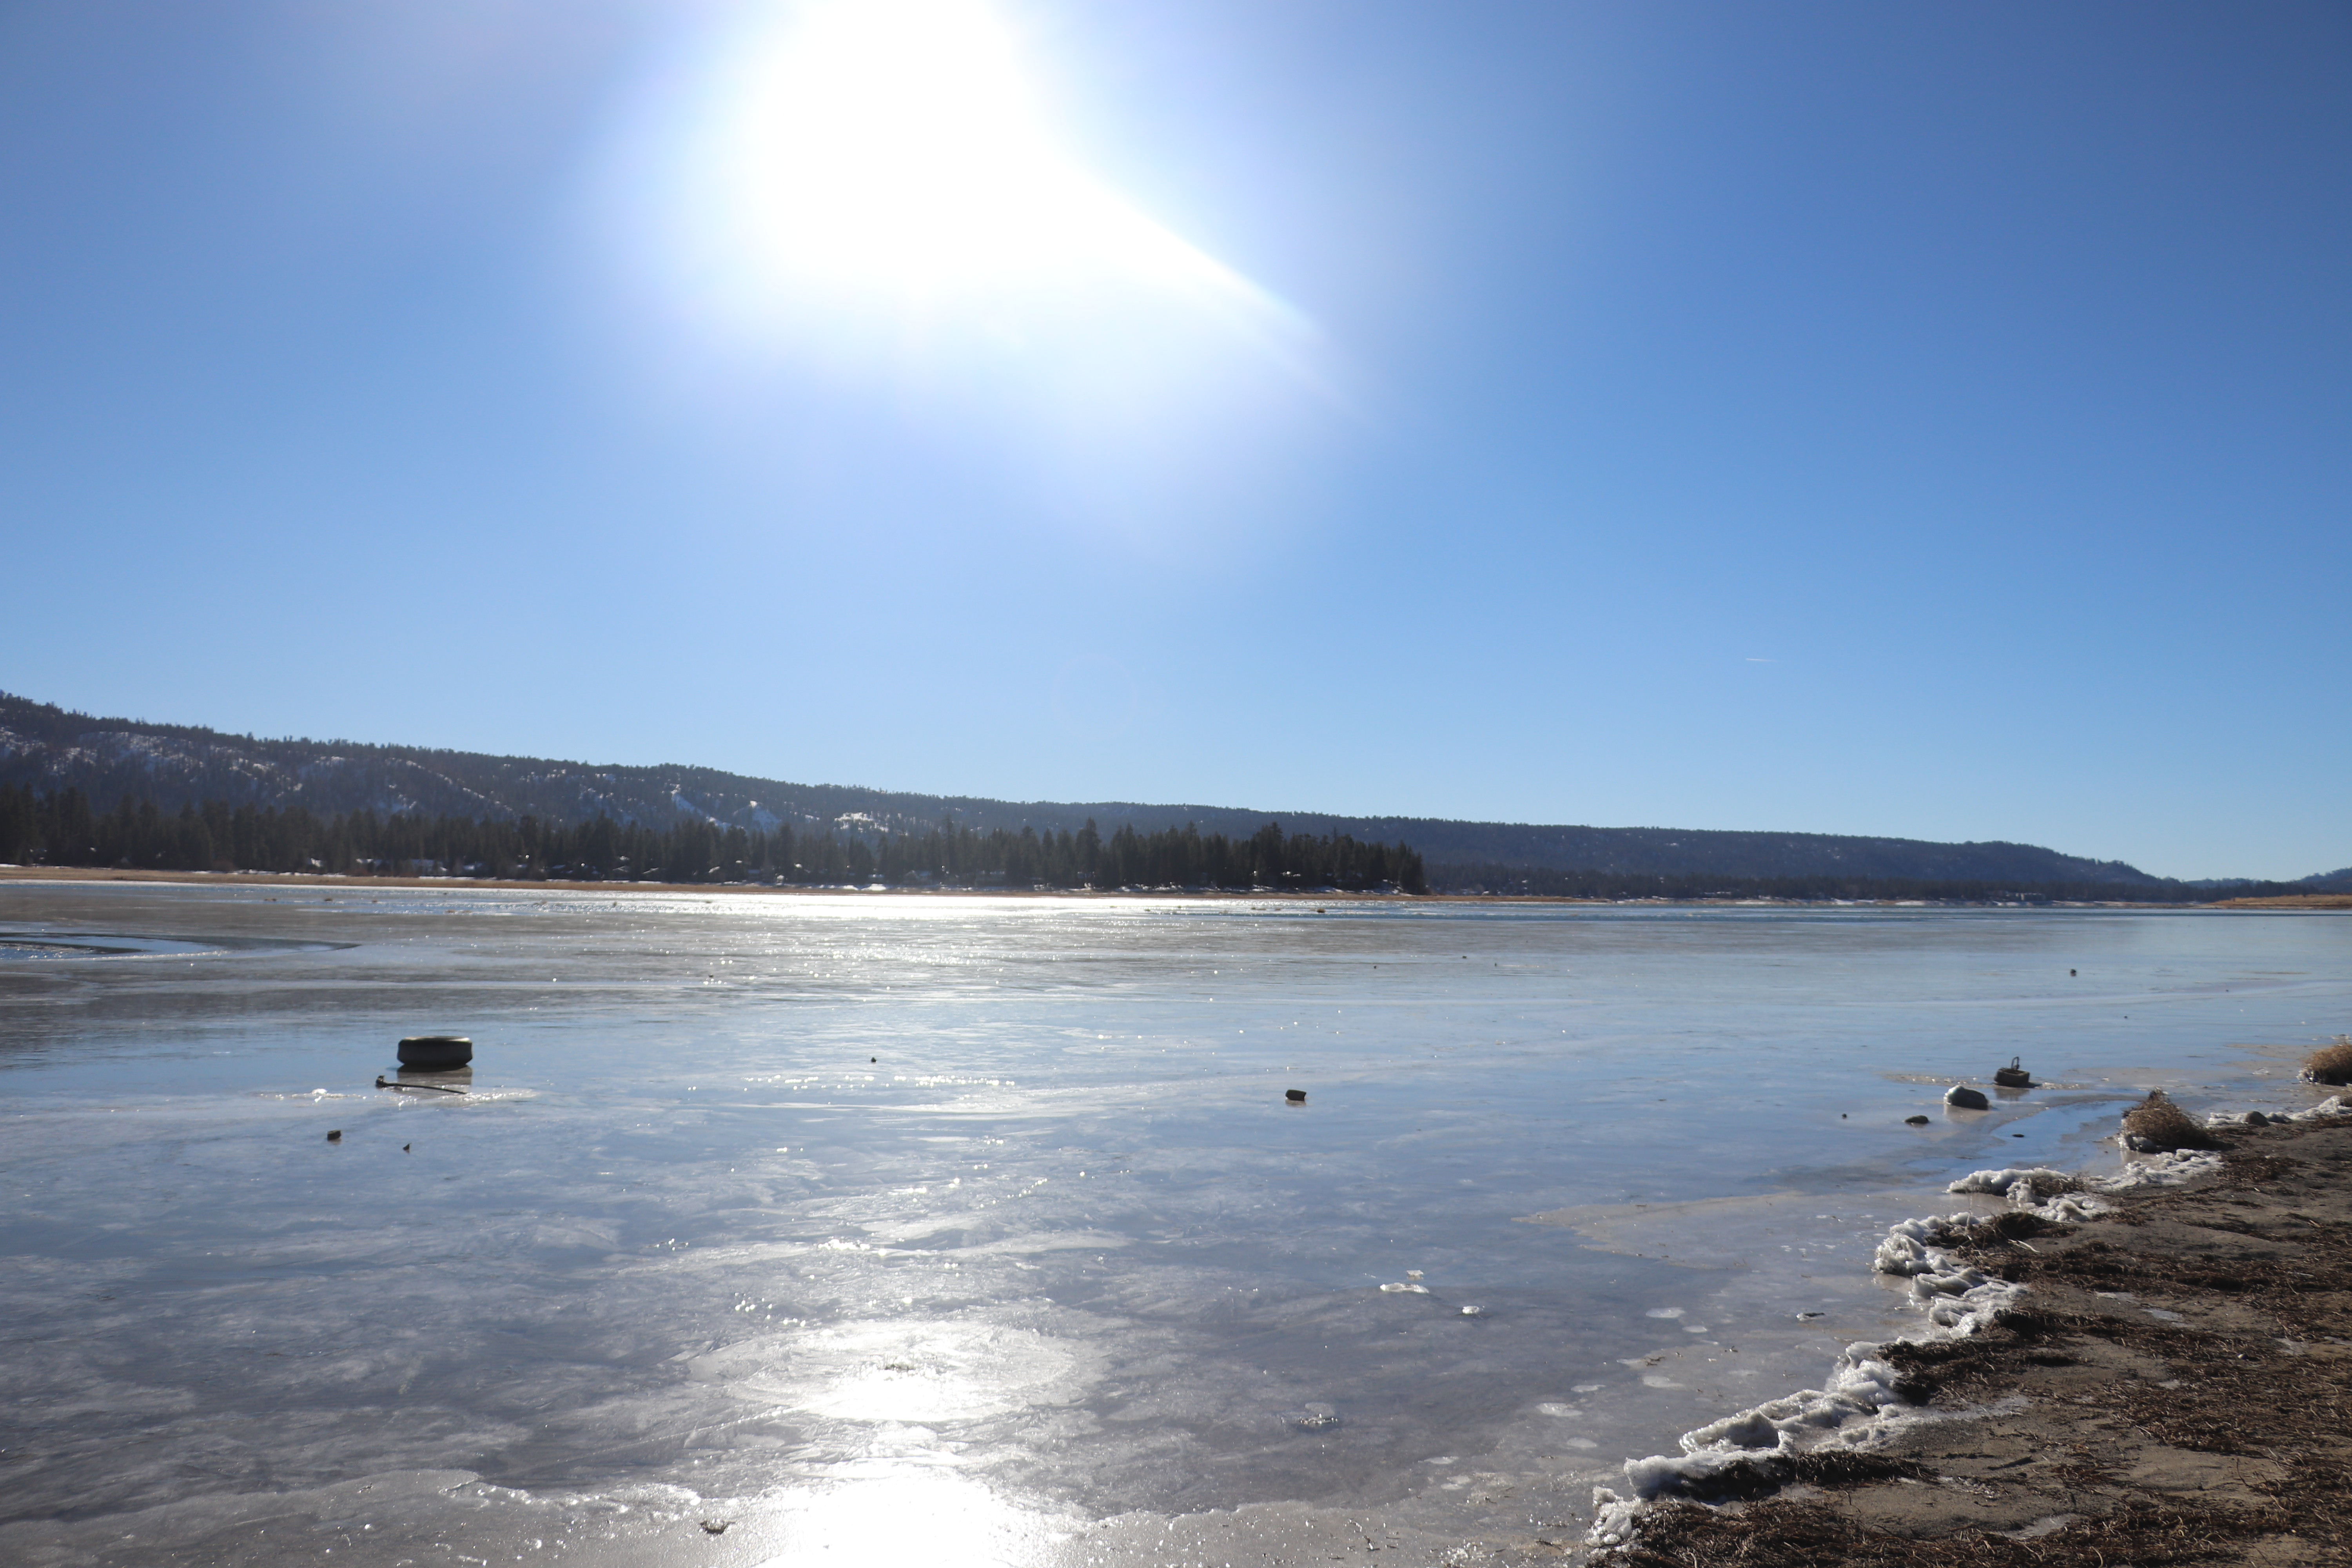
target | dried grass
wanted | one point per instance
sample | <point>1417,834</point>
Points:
<point>2012,1225</point>
<point>2165,1126</point>
<point>2141,1532</point>
<point>2331,1064</point>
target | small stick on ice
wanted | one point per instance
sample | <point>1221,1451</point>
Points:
<point>384,1082</point>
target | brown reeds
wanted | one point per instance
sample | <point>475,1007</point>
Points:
<point>2163,1126</point>
<point>2331,1064</point>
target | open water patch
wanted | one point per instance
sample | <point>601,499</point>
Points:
<point>51,947</point>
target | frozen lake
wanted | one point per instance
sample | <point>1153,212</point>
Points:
<point>925,1229</point>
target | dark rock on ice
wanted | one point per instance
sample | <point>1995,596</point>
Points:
<point>1959,1097</point>
<point>436,1053</point>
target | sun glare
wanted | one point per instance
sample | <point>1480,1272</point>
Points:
<point>898,139</point>
<point>894,152</point>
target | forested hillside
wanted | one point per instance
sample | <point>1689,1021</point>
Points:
<point>48,750</point>
<point>61,828</point>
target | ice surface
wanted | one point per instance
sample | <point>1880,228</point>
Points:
<point>1047,1282</point>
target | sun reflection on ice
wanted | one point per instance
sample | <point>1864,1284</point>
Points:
<point>912,1374</point>
<point>919,1517</point>
<point>879,1481</point>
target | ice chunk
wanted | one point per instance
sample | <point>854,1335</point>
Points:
<point>1612,1518</point>
<point>2162,1171</point>
<point>2052,1195</point>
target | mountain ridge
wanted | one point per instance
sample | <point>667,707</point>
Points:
<point>48,748</point>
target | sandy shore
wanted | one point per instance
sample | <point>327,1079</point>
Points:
<point>2174,1387</point>
<point>304,878</point>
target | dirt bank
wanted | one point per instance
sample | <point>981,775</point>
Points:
<point>2176,1388</point>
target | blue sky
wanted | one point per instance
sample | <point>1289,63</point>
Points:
<point>1924,419</point>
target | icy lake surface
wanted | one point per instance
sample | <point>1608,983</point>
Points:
<point>927,1229</point>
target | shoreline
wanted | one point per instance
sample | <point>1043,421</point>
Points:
<point>2318,902</point>
<point>2167,1381</point>
<point>770,890</point>
<point>2288,901</point>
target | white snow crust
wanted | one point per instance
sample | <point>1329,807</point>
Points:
<point>2332,1106</point>
<point>1853,1407</point>
<point>2040,1190</point>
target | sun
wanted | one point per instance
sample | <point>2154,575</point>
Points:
<point>897,141</point>
<point>896,151</point>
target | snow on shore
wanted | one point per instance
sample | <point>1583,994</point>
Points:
<point>1760,1445</point>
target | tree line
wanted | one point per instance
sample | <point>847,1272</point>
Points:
<point>62,829</point>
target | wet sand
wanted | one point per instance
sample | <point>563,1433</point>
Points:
<point>2176,1387</point>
